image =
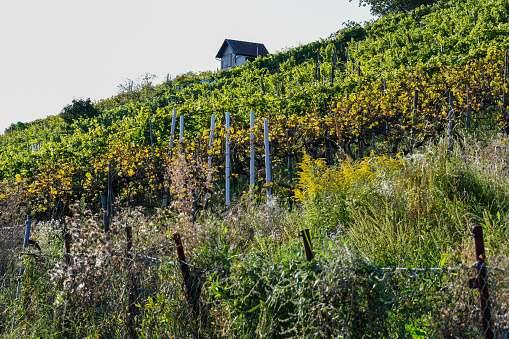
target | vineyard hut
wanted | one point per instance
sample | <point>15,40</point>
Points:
<point>404,9</point>
<point>235,53</point>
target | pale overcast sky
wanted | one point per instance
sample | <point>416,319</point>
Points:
<point>55,50</point>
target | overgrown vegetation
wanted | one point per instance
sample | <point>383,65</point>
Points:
<point>410,211</point>
<point>354,160</point>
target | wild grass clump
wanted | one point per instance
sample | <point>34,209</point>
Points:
<point>407,210</point>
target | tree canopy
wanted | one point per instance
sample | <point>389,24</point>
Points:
<point>79,108</point>
<point>383,7</point>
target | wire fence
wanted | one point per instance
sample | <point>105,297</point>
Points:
<point>117,288</point>
<point>11,243</point>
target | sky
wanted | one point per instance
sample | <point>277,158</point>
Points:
<point>54,51</point>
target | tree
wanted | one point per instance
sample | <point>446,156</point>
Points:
<point>79,109</point>
<point>19,126</point>
<point>383,7</point>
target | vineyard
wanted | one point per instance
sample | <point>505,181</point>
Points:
<point>414,104</point>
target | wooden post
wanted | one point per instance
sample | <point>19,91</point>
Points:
<point>481,282</point>
<point>451,121</point>
<point>252,147</point>
<point>227,165</point>
<point>306,238</point>
<point>21,269</point>
<point>186,274</point>
<point>268,179</point>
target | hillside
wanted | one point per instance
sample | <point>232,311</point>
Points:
<point>388,141</point>
<point>301,91</point>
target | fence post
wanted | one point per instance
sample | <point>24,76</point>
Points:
<point>21,269</point>
<point>268,179</point>
<point>131,284</point>
<point>227,165</point>
<point>481,282</point>
<point>306,238</point>
<point>186,275</point>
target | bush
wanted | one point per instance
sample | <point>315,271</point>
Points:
<point>79,109</point>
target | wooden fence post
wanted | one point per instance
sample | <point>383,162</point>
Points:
<point>192,298</point>
<point>481,282</point>
<point>306,238</point>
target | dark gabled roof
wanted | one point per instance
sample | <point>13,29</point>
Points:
<point>404,9</point>
<point>243,48</point>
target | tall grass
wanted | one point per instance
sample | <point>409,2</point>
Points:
<point>250,267</point>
